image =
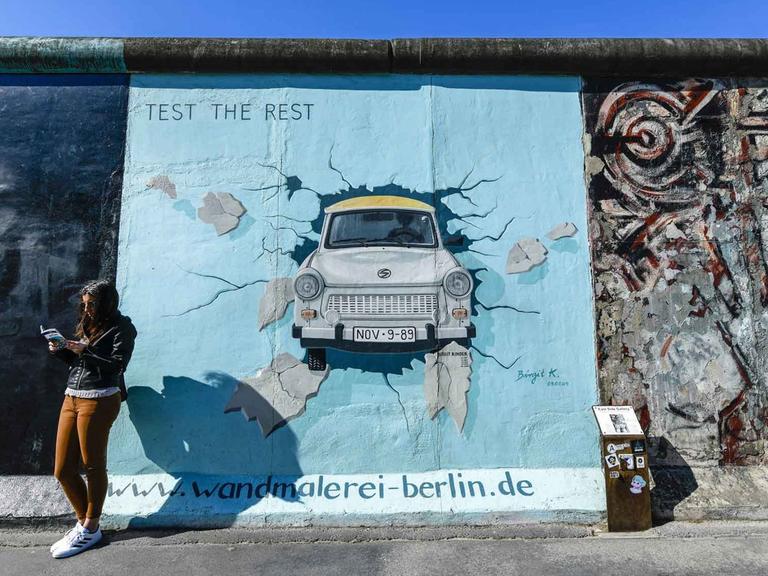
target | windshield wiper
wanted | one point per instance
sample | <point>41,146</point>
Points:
<point>362,240</point>
<point>389,240</point>
<point>369,241</point>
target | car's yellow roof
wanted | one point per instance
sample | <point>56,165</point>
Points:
<point>362,202</point>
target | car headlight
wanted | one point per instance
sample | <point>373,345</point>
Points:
<point>458,283</point>
<point>308,285</point>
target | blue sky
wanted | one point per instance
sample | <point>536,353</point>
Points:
<point>385,18</point>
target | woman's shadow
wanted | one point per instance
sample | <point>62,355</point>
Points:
<point>219,461</point>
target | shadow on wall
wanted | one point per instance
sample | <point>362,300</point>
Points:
<point>184,431</point>
<point>673,483</point>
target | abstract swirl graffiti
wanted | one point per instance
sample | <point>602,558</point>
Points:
<point>677,182</point>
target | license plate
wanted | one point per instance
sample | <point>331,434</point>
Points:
<point>399,334</point>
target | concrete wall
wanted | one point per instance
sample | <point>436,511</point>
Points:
<point>205,295</point>
<point>677,174</point>
<point>612,227</point>
<point>61,165</point>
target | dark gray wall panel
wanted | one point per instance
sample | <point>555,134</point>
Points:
<point>61,162</point>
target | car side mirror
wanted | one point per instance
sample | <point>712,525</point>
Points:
<point>454,241</point>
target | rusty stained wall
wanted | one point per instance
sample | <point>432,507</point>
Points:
<point>678,184</point>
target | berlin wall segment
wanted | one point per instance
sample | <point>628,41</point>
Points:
<point>674,172</point>
<point>61,162</point>
<point>354,282</point>
<point>590,57</point>
<point>677,177</point>
<point>232,186</point>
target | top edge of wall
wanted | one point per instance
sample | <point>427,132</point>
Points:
<point>584,57</point>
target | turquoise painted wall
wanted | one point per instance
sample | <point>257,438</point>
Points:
<point>419,134</point>
<point>500,158</point>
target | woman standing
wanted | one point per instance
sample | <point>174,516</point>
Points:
<point>95,388</point>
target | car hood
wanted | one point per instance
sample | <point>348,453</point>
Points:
<point>365,266</point>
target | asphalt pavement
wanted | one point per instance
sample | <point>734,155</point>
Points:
<point>722,548</point>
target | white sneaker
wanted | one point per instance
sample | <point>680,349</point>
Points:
<point>81,541</point>
<point>67,537</point>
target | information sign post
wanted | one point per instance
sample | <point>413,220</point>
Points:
<point>624,452</point>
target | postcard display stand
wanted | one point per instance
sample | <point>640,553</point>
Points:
<point>625,466</point>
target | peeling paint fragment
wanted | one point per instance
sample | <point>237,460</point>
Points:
<point>222,210</point>
<point>564,230</point>
<point>673,232</point>
<point>163,183</point>
<point>446,382</point>
<point>277,295</point>
<point>524,255</point>
<point>278,393</point>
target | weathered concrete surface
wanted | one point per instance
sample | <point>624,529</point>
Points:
<point>723,548</point>
<point>40,55</point>
<point>724,492</point>
<point>677,176</point>
<point>33,499</point>
<point>597,56</point>
<point>578,56</point>
<point>256,55</point>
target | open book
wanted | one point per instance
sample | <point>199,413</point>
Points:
<point>53,335</point>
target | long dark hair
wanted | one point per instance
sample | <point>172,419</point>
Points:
<point>105,310</point>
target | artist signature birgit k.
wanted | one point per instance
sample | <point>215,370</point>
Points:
<point>551,375</point>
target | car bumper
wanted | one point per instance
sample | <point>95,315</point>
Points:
<point>341,338</point>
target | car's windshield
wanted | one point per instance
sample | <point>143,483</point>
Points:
<point>381,228</point>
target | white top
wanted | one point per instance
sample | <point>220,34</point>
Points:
<point>95,393</point>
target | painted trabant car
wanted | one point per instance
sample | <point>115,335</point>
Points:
<point>381,281</point>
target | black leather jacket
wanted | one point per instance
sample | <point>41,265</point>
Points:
<point>102,363</point>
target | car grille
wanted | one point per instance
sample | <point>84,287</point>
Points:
<point>383,304</point>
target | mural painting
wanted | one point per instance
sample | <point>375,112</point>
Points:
<point>346,281</point>
<point>677,183</point>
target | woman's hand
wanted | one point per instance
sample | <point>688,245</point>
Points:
<point>53,347</point>
<point>75,346</point>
